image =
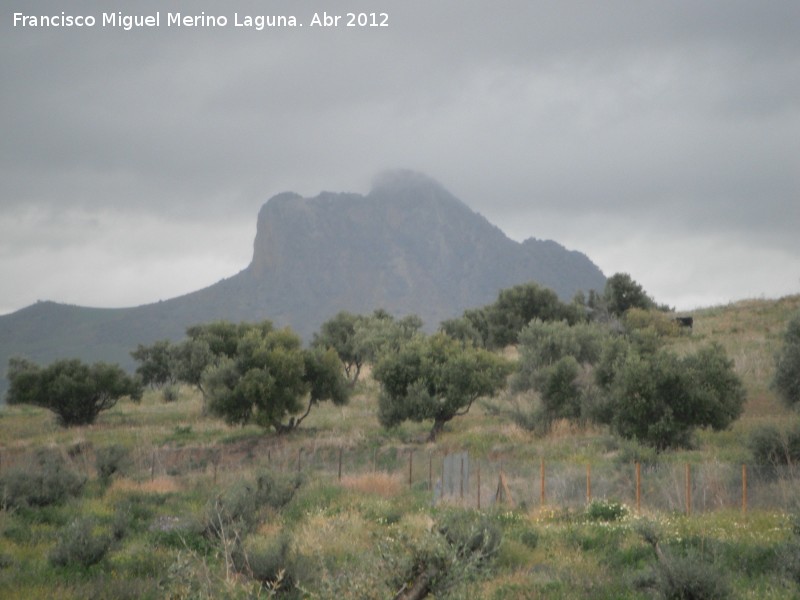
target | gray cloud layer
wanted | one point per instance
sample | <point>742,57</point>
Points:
<point>661,138</point>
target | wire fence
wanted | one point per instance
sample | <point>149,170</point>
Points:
<point>470,480</point>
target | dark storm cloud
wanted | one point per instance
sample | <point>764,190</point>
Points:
<point>667,120</point>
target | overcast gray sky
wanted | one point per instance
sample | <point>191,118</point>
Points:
<point>660,138</point>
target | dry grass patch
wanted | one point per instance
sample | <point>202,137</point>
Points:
<point>342,535</point>
<point>514,433</point>
<point>269,529</point>
<point>379,483</point>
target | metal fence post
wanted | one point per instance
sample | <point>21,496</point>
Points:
<point>688,489</point>
<point>744,489</point>
<point>541,483</point>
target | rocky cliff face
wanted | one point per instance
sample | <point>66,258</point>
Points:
<point>408,246</point>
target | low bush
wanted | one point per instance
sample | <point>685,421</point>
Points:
<point>134,513</point>
<point>775,446</point>
<point>236,507</point>
<point>471,534</point>
<point>606,510</point>
<point>47,480</point>
<point>241,506</point>
<point>691,577</point>
<point>190,576</point>
<point>276,490</point>
<point>663,324</point>
<point>448,561</point>
<point>530,538</point>
<point>111,460</point>
<point>79,545</point>
<point>266,560</point>
<point>680,573</point>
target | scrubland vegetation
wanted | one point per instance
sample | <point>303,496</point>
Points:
<point>246,512</point>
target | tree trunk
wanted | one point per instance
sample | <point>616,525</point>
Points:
<point>438,426</point>
<point>355,375</point>
<point>293,423</point>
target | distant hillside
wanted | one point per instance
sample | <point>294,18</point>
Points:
<point>408,246</point>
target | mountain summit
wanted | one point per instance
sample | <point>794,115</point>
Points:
<point>408,246</point>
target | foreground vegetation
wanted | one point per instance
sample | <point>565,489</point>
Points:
<point>110,526</point>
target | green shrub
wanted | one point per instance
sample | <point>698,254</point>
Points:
<point>786,380</point>
<point>606,510</point>
<point>111,460</point>
<point>752,558</point>
<point>276,490</point>
<point>241,506</point>
<point>184,537</point>
<point>691,577</point>
<point>664,324</point>
<point>448,560</point>
<point>236,507</point>
<point>134,513</point>
<point>772,445</point>
<point>45,481</point>
<point>470,534</point>
<point>788,561</point>
<point>688,576</point>
<point>530,538</point>
<point>79,545</point>
<point>266,560</point>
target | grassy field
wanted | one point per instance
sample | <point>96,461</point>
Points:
<point>158,500</point>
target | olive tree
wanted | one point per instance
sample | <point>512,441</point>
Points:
<point>190,359</point>
<point>660,398</point>
<point>155,363</point>
<point>361,339</point>
<point>269,377</point>
<point>380,333</point>
<point>464,328</point>
<point>553,357</point>
<point>74,391</point>
<point>786,380</point>
<point>205,345</point>
<point>435,379</point>
<point>622,292</point>
<point>339,333</point>
<point>499,324</point>
<point>519,305</point>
